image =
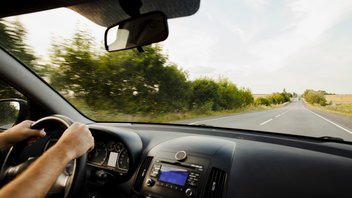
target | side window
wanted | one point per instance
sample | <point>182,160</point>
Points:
<point>7,91</point>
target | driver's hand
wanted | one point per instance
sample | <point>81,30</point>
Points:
<point>76,140</point>
<point>20,132</point>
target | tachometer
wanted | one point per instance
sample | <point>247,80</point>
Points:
<point>98,154</point>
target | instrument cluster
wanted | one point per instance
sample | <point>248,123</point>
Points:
<point>110,155</point>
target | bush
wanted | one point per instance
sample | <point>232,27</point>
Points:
<point>204,107</point>
<point>222,94</point>
<point>246,97</point>
<point>204,91</point>
<point>314,97</point>
<point>276,98</point>
<point>262,101</point>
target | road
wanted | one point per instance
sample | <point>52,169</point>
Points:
<point>294,118</point>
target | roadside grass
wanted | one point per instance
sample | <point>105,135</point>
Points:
<point>115,116</point>
<point>343,109</point>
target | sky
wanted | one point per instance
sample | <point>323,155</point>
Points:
<point>258,44</point>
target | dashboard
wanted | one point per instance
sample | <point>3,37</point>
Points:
<point>169,161</point>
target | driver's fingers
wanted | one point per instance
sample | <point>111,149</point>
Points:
<point>36,133</point>
<point>27,123</point>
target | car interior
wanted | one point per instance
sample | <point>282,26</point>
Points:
<point>164,160</point>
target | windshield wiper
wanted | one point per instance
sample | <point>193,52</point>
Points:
<point>331,139</point>
<point>207,125</point>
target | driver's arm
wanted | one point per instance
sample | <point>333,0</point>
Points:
<point>38,178</point>
<point>19,132</point>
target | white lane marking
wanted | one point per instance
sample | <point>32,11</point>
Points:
<point>197,122</point>
<point>331,122</point>
<point>281,114</point>
<point>285,112</point>
<point>212,119</point>
<point>261,124</point>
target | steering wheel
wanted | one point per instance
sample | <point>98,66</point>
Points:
<point>20,156</point>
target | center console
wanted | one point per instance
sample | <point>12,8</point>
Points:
<point>174,179</point>
<point>178,169</point>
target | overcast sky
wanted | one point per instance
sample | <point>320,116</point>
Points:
<point>259,44</point>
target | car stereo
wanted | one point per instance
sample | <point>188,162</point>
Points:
<point>166,179</point>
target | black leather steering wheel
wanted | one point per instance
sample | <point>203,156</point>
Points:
<point>70,181</point>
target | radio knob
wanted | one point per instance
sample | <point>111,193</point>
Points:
<point>181,155</point>
<point>189,192</point>
<point>150,182</point>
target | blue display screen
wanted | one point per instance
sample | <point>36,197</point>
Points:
<point>173,175</point>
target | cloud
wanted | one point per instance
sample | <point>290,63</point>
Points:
<point>255,42</point>
<point>256,4</point>
<point>307,21</point>
<point>201,70</point>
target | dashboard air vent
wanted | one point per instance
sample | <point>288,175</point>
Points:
<point>216,183</point>
<point>141,174</point>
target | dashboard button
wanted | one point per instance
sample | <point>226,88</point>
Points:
<point>189,192</point>
<point>150,182</point>
<point>181,155</point>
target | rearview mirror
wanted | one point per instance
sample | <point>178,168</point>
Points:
<point>142,30</point>
<point>12,111</point>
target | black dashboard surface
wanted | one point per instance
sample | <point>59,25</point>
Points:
<point>247,163</point>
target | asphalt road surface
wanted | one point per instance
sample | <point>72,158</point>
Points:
<point>294,118</point>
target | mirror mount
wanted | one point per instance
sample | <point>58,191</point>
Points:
<point>140,49</point>
<point>131,7</point>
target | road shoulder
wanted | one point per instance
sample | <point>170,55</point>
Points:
<point>343,120</point>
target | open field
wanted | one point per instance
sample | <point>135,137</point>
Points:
<point>255,96</point>
<point>340,103</point>
<point>339,98</point>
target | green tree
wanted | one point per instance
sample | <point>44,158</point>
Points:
<point>228,95</point>
<point>204,93</point>
<point>146,82</point>
<point>76,68</point>
<point>286,96</point>
<point>128,81</point>
<point>246,97</point>
<point>13,37</point>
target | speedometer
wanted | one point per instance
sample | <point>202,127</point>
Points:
<point>123,161</point>
<point>98,154</point>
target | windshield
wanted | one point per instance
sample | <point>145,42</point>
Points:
<point>276,66</point>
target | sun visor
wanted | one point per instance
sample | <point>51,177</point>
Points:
<point>109,12</point>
